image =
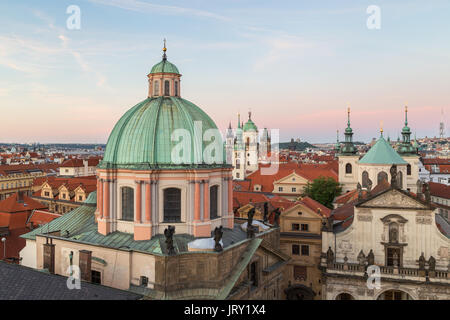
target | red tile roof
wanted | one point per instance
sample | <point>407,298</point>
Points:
<point>439,190</point>
<point>307,171</point>
<point>40,217</point>
<point>12,205</point>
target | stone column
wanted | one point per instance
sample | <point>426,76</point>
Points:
<point>138,216</point>
<point>100,197</point>
<point>104,223</point>
<point>197,202</point>
<point>148,202</point>
<point>206,201</point>
<point>230,203</point>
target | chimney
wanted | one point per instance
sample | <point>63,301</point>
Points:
<point>49,257</point>
<point>85,265</point>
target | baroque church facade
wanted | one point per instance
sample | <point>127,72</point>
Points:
<point>367,171</point>
<point>389,248</point>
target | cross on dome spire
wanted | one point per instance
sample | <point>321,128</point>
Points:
<point>406,115</point>
<point>348,117</point>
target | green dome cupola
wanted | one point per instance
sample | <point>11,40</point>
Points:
<point>250,125</point>
<point>149,135</point>
<point>164,66</point>
<point>405,147</point>
<point>348,148</point>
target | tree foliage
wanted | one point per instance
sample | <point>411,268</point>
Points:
<point>323,190</point>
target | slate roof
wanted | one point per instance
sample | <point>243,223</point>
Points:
<point>23,283</point>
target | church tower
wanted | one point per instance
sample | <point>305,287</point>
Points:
<point>348,160</point>
<point>250,136</point>
<point>264,146</point>
<point>409,153</point>
<point>239,153</point>
<point>229,144</point>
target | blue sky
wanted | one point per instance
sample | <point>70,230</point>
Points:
<point>295,64</point>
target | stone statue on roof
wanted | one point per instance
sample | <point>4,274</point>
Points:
<point>266,211</point>
<point>330,256</point>
<point>371,258</point>
<point>250,215</point>
<point>369,186</point>
<point>422,262</point>
<point>277,217</point>
<point>427,193</point>
<point>359,188</point>
<point>218,233</point>
<point>168,233</point>
<point>431,264</point>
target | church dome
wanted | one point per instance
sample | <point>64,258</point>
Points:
<point>250,126</point>
<point>141,139</point>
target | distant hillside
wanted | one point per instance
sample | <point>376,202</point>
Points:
<point>299,146</point>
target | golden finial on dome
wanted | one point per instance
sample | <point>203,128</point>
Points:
<point>164,50</point>
<point>381,127</point>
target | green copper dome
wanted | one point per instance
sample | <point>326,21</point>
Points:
<point>382,153</point>
<point>141,139</point>
<point>164,67</point>
<point>250,126</point>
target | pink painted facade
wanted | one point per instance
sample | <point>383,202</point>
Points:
<point>149,205</point>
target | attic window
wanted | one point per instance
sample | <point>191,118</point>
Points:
<point>299,213</point>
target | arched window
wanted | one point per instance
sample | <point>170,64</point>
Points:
<point>408,170</point>
<point>382,176</point>
<point>348,168</point>
<point>156,88</point>
<point>127,204</point>
<point>365,179</point>
<point>167,88</point>
<point>172,205</point>
<point>213,202</point>
<point>176,88</point>
<point>238,164</point>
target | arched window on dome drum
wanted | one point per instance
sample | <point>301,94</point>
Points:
<point>348,168</point>
<point>167,88</point>
<point>365,179</point>
<point>172,205</point>
<point>213,202</point>
<point>156,88</point>
<point>408,170</point>
<point>176,88</point>
<point>382,176</point>
<point>127,204</point>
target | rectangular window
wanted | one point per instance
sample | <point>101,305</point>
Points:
<point>305,250</point>
<point>144,281</point>
<point>300,273</point>
<point>305,227</point>
<point>64,195</point>
<point>47,194</point>
<point>280,189</point>
<point>294,189</point>
<point>80,198</point>
<point>295,227</point>
<point>96,277</point>
<point>295,249</point>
